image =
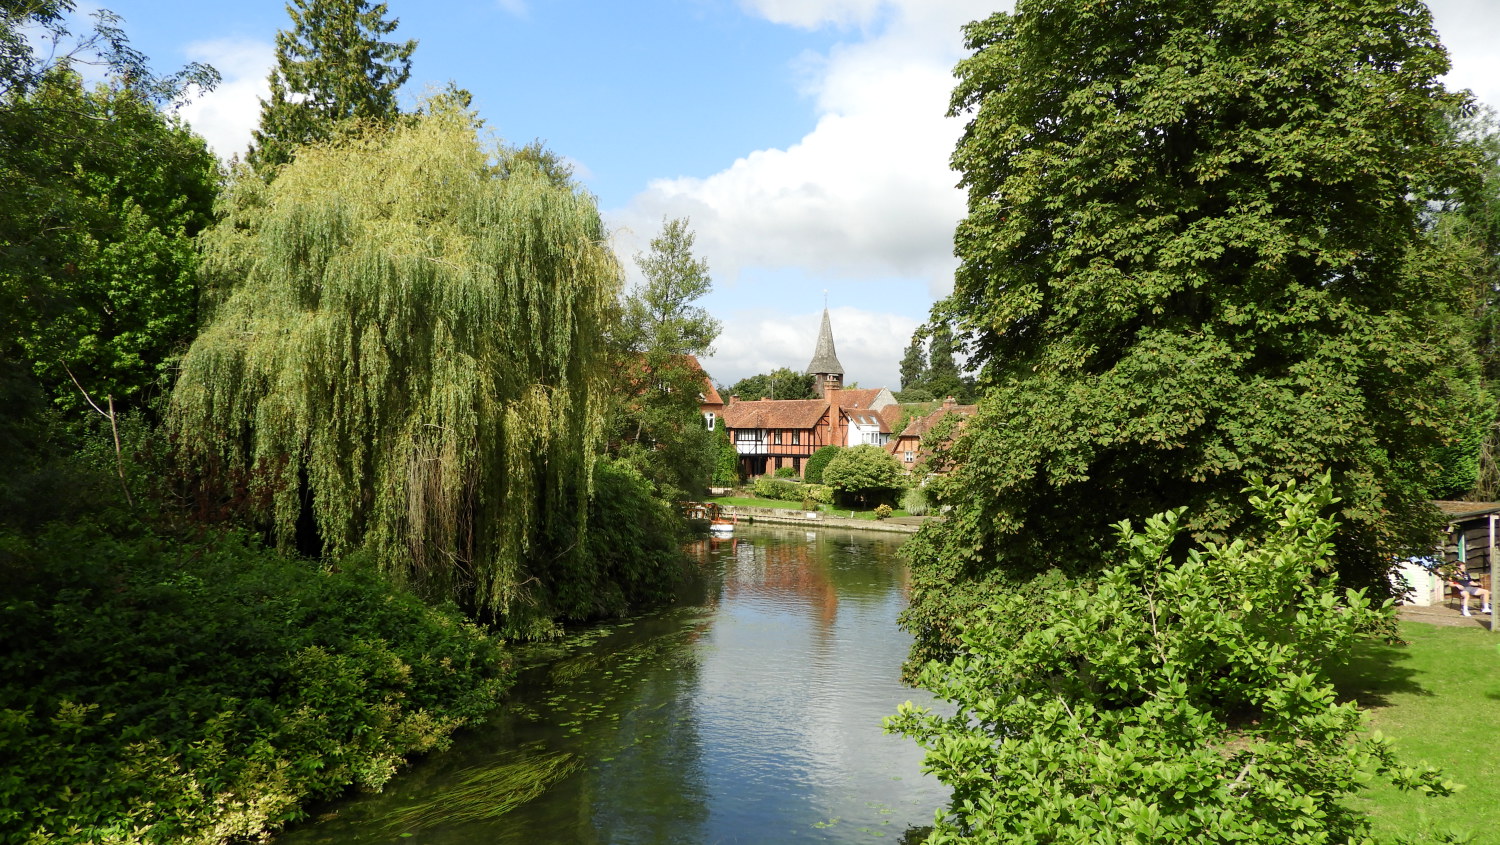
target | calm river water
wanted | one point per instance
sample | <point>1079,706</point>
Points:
<point>748,713</point>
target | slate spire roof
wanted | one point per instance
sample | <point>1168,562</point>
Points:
<point>824,360</point>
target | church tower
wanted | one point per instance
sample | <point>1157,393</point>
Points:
<point>825,366</point>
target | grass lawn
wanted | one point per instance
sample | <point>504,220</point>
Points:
<point>752,502</point>
<point>1439,698</point>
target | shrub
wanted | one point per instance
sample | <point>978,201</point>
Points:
<point>779,488</point>
<point>157,690</point>
<point>820,493</point>
<point>1168,702</point>
<point>883,511</point>
<point>786,472</point>
<point>865,472</point>
<point>726,461</point>
<point>812,473</point>
<point>914,501</point>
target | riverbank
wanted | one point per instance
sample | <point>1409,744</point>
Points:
<point>820,519</point>
<point>156,688</point>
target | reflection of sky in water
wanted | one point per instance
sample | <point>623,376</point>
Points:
<point>756,718</point>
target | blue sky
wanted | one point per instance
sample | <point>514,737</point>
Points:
<point>805,139</point>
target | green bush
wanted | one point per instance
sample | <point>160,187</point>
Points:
<point>156,690</point>
<point>785,472</point>
<point>726,461</point>
<point>635,541</point>
<point>820,493</point>
<point>1171,701</point>
<point>884,511</point>
<point>865,473</point>
<point>914,501</point>
<point>812,473</point>
<point>779,488</point>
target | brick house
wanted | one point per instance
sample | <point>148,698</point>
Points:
<point>907,446</point>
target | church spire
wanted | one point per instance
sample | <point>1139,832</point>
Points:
<point>825,362</point>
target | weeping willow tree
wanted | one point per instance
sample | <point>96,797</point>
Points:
<point>405,351</point>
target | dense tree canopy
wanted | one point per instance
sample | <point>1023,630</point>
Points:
<point>409,346</point>
<point>331,67</point>
<point>1195,251</point>
<point>102,196</point>
<point>782,383</point>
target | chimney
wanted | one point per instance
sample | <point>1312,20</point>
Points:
<point>733,398</point>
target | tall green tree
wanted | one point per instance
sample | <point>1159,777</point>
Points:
<point>943,378</point>
<point>1195,252</point>
<point>914,362</point>
<point>407,357</point>
<point>656,424</point>
<point>332,67</point>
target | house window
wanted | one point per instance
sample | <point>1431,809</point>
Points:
<point>749,435</point>
<point>778,437</point>
<point>910,456</point>
<point>709,418</point>
<point>796,438</point>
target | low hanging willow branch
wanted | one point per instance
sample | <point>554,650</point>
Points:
<point>413,339</point>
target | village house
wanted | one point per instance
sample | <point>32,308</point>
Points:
<point>908,446</point>
<point>770,434</point>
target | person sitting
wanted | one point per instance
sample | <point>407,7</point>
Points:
<point>1467,585</point>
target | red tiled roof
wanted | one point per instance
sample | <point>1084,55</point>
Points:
<point>710,395</point>
<point>775,413</point>
<point>920,425</point>
<point>858,397</point>
<point>890,415</point>
<point>863,417</point>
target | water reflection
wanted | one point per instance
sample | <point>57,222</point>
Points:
<point>750,713</point>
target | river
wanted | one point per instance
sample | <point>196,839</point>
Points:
<point>750,712</point>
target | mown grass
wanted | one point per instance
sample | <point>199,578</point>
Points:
<point>1438,696</point>
<point>831,510</point>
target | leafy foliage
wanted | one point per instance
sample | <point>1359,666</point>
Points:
<point>332,70</point>
<point>654,416</point>
<point>408,348</point>
<point>864,472</point>
<point>783,383</point>
<point>102,195</point>
<point>812,471</point>
<point>784,489</point>
<point>1194,253</point>
<point>162,690</point>
<point>726,460</point>
<point>634,541</point>
<point>1179,701</point>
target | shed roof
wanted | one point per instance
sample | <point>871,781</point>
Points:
<point>1457,511</point>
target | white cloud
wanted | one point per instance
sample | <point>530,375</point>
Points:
<point>1470,29</point>
<point>867,192</point>
<point>869,344</point>
<point>227,115</point>
<point>810,14</point>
